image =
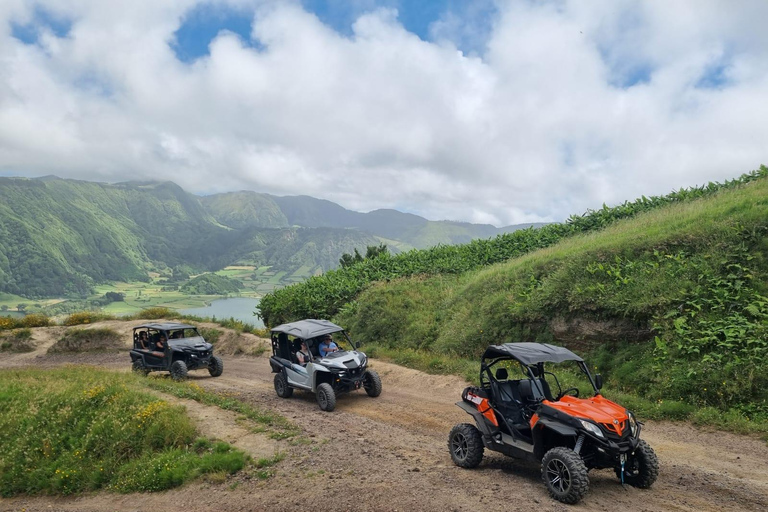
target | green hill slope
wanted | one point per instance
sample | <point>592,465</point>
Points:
<point>324,296</point>
<point>59,237</point>
<point>672,304</point>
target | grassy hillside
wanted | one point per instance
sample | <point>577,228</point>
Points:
<point>671,304</point>
<point>244,209</point>
<point>67,431</point>
<point>326,295</point>
<point>61,237</point>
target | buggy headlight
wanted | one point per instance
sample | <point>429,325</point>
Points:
<point>592,428</point>
<point>632,424</point>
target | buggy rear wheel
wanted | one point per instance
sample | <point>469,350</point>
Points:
<point>642,467</point>
<point>326,398</point>
<point>140,368</point>
<point>466,445</point>
<point>372,383</point>
<point>564,474</point>
<point>282,388</point>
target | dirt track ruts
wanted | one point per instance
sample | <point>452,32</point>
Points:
<point>390,453</point>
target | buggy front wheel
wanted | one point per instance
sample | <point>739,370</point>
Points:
<point>326,397</point>
<point>642,468</point>
<point>372,383</point>
<point>216,366</point>
<point>564,474</point>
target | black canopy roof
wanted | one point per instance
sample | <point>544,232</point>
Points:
<point>309,328</point>
<point>165,326</point>
<point>531,353</point>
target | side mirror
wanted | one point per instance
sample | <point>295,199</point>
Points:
<point>599,381</point>
<point>358,344</point>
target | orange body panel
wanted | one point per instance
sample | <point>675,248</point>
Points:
<point>484,406</point>
<point>597,408</point>
<point>487,411</point>
<point>534,420</point>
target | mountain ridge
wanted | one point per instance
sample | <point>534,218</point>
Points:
<point>58,237</point>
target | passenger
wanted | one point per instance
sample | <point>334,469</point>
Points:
<point>143,341</point>
<point>160,346</point>
<point>303,355</point>
<point>327,346</point>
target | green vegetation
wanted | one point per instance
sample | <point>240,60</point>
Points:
<point>371,252</point>
<point>68,431</point>
<point>674,303</point>
<point>33,320</point>
<point>211,284</point>
<point>323,296</point>
<point>86,317</point>
<point>98,233</point>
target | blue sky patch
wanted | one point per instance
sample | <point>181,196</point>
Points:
<point>42,19</point>
<point>203,23</point>
<point>714,77</point>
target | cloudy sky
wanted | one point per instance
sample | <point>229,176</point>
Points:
<point>485,111</point>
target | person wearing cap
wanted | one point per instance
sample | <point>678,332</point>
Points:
<point>327,346</point>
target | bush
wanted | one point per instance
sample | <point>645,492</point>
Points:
<point>35,320</point>
<point>154,313</point>
<point>86,317</point>
<point>210,335</point>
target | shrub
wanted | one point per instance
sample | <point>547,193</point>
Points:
<point>154,313</point>
<point>35,320</point>
<point>86,317</point>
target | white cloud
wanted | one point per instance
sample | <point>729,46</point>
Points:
<point>572,104</point>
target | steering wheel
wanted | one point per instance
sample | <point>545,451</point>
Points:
<point>575,394</point>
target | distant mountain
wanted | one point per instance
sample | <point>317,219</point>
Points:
<point>403,230</point>
<point>60,237</point>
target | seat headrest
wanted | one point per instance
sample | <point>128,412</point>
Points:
<point>501,374</point>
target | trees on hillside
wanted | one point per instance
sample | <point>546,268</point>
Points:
<point>372,251</point>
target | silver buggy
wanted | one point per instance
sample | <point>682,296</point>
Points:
<point>325,375</point>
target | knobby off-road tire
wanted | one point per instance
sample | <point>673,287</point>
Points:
<point>216,366</point>
<point>282,388</point>
<point>326,397</point>
<point>466,445</point>
<point>372,383</point>
<point>179,370</point>
<point>139,368</point>
<point>565,475</point>
<point>642,468</point>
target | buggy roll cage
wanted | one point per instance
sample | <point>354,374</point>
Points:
<point>531,358</point>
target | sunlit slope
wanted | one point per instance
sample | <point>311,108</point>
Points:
<point>326,295</point>
<point>676,297</point>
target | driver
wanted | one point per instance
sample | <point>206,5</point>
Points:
<point>327,346</point>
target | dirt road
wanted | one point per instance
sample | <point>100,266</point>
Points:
<point>390,453</point>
